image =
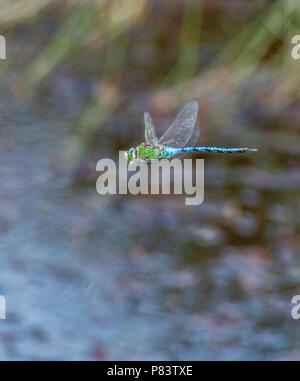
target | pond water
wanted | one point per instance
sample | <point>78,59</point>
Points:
<point>120,277</point>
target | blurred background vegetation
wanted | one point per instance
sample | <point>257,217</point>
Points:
<point>123,277</point>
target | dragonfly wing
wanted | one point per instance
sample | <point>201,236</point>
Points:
<point>194,139</point>
<point>192,142</point>
<point>150,134</point>
<point>181,130</point>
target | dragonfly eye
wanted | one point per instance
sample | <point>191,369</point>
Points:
<point>131,154</point>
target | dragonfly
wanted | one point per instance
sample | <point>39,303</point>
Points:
<point>179,139</point>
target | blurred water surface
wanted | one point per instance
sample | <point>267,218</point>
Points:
<point>90,277</point>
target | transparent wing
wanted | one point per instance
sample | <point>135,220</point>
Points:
<point>150,134</point>
<point>192,142</point>
<point>194,139</point>
<point>181,130</point>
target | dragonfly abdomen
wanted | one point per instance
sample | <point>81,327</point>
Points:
<point>221,150</point>
<point>170,151</point>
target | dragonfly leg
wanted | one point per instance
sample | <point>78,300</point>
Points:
<point>155,160</point>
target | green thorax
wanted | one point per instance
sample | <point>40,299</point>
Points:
<point>149,152</point>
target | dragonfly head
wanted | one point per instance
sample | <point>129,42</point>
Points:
<point>131,154</point>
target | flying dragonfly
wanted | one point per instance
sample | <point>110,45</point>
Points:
<point>180,138</point>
